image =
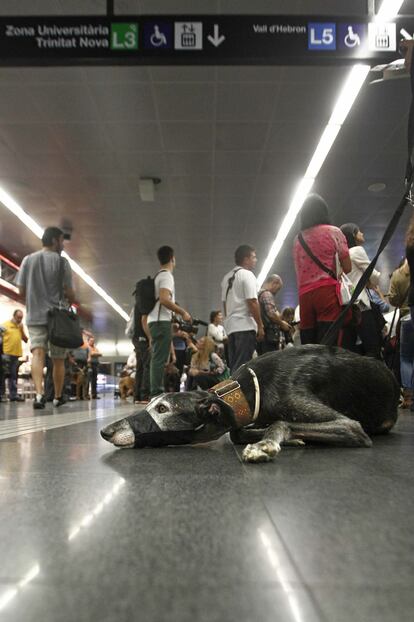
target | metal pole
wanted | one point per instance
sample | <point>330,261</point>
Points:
<point>110,8</point>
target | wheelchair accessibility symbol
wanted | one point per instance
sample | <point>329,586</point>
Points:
<point>158,38</point>
<point>352,39</point>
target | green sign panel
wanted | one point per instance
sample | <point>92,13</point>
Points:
<point>124,36</point>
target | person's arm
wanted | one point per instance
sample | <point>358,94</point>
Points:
<point>20,279</point>
<point>145,328</point>
<point>173,358</point>
<point>218,364</point>
<point>346,264</point>
<point>254,310</point>
<point>362,261</point>
<point>276,318</point>
<point>397,294</point>
<point>165,301</point>
<point>69,294</point>
<point>25,338</point>
<point>271,311</point>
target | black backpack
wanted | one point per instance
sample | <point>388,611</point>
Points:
<point>145,299</point>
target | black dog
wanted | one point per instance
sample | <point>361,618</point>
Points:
<point>310,393</point>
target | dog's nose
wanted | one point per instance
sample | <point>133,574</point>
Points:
<point>107,433</point>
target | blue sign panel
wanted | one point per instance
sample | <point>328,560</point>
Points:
<point>352,36</point>
<point>158,35</point>
<point>322,36</point>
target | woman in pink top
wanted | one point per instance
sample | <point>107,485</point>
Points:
<point>317,284</point>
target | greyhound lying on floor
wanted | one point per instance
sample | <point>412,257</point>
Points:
<point>309,393</point>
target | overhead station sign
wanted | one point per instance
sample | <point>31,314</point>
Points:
<point>204,39</point>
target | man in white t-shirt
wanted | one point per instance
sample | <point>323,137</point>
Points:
<point>243,322</point>
<point>159,320</point>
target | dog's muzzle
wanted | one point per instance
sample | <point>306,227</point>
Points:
<point>119,433</point>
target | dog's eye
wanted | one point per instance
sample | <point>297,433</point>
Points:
<point>161,408</point>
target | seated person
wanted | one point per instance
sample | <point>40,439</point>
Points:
<point>216,331</point>
<point>288,315</point>
<point>207,368</point>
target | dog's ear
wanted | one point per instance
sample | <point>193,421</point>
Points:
<point>212,407</point>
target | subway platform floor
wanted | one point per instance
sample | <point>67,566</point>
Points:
<point>89,532</point>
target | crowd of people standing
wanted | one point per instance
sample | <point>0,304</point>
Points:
<point>250,323</point>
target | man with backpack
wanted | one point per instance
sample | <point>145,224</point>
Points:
<point>159,318</point>
<point>243,322</point>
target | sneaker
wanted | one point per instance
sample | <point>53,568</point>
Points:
<point>18,398</point>
<point>59,401</point>
<point>39,404</point>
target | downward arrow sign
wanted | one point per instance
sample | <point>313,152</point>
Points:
<point>216,40</point>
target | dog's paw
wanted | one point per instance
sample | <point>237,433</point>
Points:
<point>294,442</point>
<point>260,452</point>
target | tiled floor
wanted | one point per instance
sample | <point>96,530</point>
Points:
<point>89,532</point>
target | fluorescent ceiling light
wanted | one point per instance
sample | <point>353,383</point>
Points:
<point>346,98</point>
<point>388,10</point>
<point>31,224</point>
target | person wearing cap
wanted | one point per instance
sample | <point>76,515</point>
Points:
<point>39,282</point>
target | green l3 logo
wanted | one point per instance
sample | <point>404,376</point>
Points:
<point>124,36</point>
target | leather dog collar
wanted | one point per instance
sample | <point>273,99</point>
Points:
<point>230,392</point>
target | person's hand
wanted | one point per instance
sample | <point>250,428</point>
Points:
<point>260,333</point>
<point>285,326</point>
<point>186,316</point>
<point>193,372</point>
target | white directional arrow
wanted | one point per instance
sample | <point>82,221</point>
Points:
<point>216,40</point>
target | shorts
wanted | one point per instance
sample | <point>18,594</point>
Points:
<point>39,338</point>
<point>320,305</point>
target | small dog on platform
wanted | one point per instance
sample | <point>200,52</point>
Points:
<point>126,387</point>
<point>81,381</point>
<point>305,394</point>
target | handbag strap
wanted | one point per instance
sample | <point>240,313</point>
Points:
<point>61,276</point>
<point>229,286</point>
<point>315,259</point>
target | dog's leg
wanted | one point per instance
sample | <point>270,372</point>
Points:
<point>341,431</point>
<point>325,425</point>
<point>241,436</point>
<point>275,435</point>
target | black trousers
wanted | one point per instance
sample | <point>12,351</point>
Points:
<point>369,334</point>
<point>94,378</point>
<point>142,373</point>
<point>241,347</point>
<point>265,346</point>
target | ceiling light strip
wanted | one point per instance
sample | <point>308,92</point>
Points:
<point>341,110</point>
<point>31,224</point>
<point>388,10</point>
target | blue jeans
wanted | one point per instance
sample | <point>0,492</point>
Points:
<point>241,347</point>
<point>407,353</point>
<point>11,363</point>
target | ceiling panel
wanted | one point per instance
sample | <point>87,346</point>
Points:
<point>129,102</point>
<point>185,102</point>
<point>180,136</point>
